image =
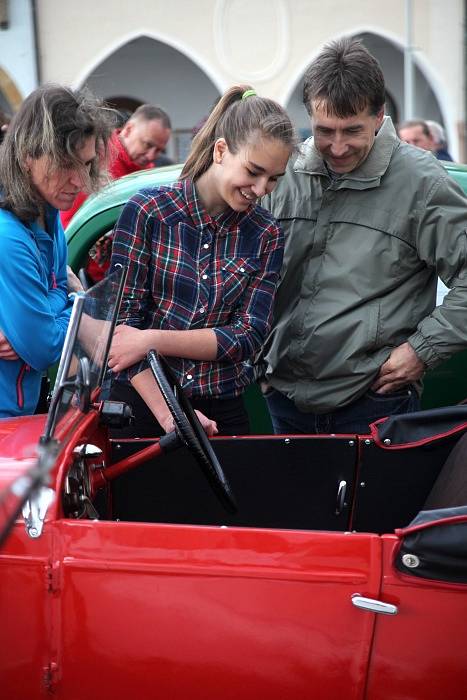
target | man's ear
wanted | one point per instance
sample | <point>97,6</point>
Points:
<point>379,118</point>
<point>220,147</point>
<point>126,130</point>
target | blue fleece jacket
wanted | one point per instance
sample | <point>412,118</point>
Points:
<point>34,306</point>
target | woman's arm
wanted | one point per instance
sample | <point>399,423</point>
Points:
<point>131,345</point>
<point>146,386</point>
<point>33,327</point>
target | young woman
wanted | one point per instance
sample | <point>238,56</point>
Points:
<point>204,260</point>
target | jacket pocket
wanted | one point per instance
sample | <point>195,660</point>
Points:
<point>19,385</point>
<point>236,275</point>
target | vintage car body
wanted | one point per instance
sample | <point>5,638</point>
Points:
<point>125,577</point>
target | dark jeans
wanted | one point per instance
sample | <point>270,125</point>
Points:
<point>354,418</point>
<point>230,414</point>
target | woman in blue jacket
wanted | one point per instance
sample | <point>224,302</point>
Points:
<point>47,157</point>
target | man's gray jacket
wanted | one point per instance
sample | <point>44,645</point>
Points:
<point>363,253</point>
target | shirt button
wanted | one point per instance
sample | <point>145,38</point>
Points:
<point>242,269</point>
<point>205,277</point>
<point>189,376</point>
<point>201,310</point>
<point>206,245</point>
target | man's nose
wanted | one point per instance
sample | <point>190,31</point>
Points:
<point>338,147</point>
<point>152,153</point>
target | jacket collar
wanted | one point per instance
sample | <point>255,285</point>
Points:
<point>367,174</point>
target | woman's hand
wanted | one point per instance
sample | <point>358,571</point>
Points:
<point>209,426</point>
<point>73,282</point>
<point>129,346</point>
<point>6,351</point>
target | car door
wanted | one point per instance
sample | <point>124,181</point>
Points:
<point>175,611</point>
<point>420,653</point>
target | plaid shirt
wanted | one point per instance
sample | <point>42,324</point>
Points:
<point>189,270</point>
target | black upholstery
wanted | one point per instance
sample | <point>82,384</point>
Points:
<point>450,488</point>
<point>277,483</point>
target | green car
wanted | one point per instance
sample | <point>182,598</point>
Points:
<point>444,386</point>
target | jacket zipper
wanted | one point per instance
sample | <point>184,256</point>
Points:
<point>19,385</point>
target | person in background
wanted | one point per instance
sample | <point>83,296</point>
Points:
<point>47,157</point>
<point>135,146</point>
<point>203,263</point>
<point>439,139</point>
<point>4,122</point>
<point>417,133</point>
<point>370,222</point>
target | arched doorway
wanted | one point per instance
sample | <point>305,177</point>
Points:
<point>10,96</point>
<point>391,58</point>
<point>146,70</point>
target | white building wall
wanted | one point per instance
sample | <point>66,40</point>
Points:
<point>265,42</point>
<point>17,52</point>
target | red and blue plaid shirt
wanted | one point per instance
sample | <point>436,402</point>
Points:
<point>189,270</point>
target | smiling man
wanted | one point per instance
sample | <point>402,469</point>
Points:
<point>370,222</point>
<point>140,141</point>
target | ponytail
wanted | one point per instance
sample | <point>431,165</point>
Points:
<point>239,114</point>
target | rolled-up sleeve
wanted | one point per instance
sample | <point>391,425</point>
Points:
<point>251,320</point>
<point>132,247</point>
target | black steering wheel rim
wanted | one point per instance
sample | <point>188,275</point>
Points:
<point>190,429</point>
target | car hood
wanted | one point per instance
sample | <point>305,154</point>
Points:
<point>19,439</point>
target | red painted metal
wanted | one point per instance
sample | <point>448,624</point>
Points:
<point>116,610</point>
<point>420,652</point>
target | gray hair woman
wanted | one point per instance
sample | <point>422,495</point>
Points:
<point>48,155</point>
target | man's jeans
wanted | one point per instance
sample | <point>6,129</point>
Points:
<point>354,418</point>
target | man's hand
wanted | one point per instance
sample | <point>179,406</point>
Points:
<point>128,347</point>
<point>6,351</point>
<point>402,367</point>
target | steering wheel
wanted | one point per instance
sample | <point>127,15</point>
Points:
<point>190,429</point>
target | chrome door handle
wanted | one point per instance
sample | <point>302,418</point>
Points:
<point>341,491</point>
<point>373,605</point>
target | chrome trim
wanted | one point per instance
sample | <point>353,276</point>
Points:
<point>341,492</point>
<point>376,606</point>
<point>35,510</point>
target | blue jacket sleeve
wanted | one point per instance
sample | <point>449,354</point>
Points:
<point>58,296</point>
<point>33,318</point>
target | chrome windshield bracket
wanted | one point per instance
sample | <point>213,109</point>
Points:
<point>35,510</point>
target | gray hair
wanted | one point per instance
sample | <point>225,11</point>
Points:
<point>237,121</point>
<point>409,123</point>
<point>437,132</point>
<point>151,113</point>
<point>53,121</point>
<point>346,79</point>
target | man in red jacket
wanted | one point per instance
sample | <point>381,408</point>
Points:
<point>135,146</point>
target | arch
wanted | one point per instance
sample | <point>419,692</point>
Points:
<point>187,51</point>
<point>421,62</point>
<point>9,90</point>
<point>146,69</point>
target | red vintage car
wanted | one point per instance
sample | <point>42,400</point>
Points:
<point>278,567</point>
